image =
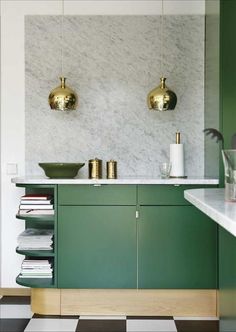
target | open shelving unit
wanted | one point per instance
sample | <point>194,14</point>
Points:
<point>36,253</point>
<point>36,217</point>
<point>40,222</point>
<point>36,282</point>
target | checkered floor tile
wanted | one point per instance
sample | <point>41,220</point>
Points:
<point>15,316</point>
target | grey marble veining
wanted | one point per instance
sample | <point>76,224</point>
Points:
<point>113,62</point>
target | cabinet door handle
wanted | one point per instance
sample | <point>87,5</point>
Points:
<point>97,185</point>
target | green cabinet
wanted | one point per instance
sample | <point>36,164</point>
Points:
<point>126,236</point>
<point>97,236</point>
<point>97,247</point>
<point>227,280</point>
<point>177,248</point>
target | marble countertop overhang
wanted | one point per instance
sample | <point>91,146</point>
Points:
<point>138,180</point>
<point>212,203</point>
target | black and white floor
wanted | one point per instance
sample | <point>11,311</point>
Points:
<point>16,316</point>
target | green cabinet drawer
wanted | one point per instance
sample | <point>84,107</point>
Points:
<point>97,195</point>
<point>164,194</point>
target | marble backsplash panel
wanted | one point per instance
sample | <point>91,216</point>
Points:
<point>113,62</point>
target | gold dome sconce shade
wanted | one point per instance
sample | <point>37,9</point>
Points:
<point>161,98</point>
<point>63,98</point>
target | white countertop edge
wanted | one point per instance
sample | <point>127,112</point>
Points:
<point>41,180</point>
<point>214,206</point>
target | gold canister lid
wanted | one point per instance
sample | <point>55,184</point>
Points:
<point>95,168</point>
<point>112,169</point>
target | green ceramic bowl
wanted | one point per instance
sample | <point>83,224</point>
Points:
<point>61,170</point>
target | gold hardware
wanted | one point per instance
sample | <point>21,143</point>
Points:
<point>95,168</point>
<point>111,169</point>
<point>177,138</point>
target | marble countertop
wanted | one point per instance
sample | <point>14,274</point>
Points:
<point>212,203</point>
<point>130,180</point>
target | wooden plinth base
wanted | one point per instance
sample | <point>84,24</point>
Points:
<point>15,291</point>
<point>165,302</point>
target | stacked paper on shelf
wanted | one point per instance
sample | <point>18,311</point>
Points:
<point>35,212</point>
<point>36,204</point>
<point>38,268</point>
<point>35,239</point>
<point>35,196</point>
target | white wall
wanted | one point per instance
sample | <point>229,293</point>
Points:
<point>13,96</point>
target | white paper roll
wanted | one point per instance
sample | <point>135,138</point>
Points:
<point>177,160</point>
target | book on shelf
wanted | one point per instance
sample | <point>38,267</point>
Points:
<point>49,248</point>
<point>37,197</point>
<point>35,265</point>
<point>36,261</point>
<point>36,233</point>
<point>28,212</point>
<point>40,262</point>
<point>35,239</point>
<point>36,268</point>
<point>36,206</point>
<point>38,202</point>
<point>36,276</point>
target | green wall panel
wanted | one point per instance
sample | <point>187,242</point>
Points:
<point>227,71</point>
<point>227,243</point>
<point>212,85</point>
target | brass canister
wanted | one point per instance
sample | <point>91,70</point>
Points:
<point>95,168</point>
<point>111,169</point>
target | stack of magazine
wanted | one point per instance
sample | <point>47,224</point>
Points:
<point>35,239</point>
<point>37,268</point>
<point>36,204</point>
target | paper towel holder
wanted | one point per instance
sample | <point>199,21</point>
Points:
<point>177,142</point>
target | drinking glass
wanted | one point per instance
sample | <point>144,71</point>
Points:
<point>165,169</point>
<point>229,159</point>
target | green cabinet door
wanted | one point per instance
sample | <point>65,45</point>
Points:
<point>177,248</point>
<point>97,247</point>
<point>227,280</point>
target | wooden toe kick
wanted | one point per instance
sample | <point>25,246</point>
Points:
<point>153,302</point>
